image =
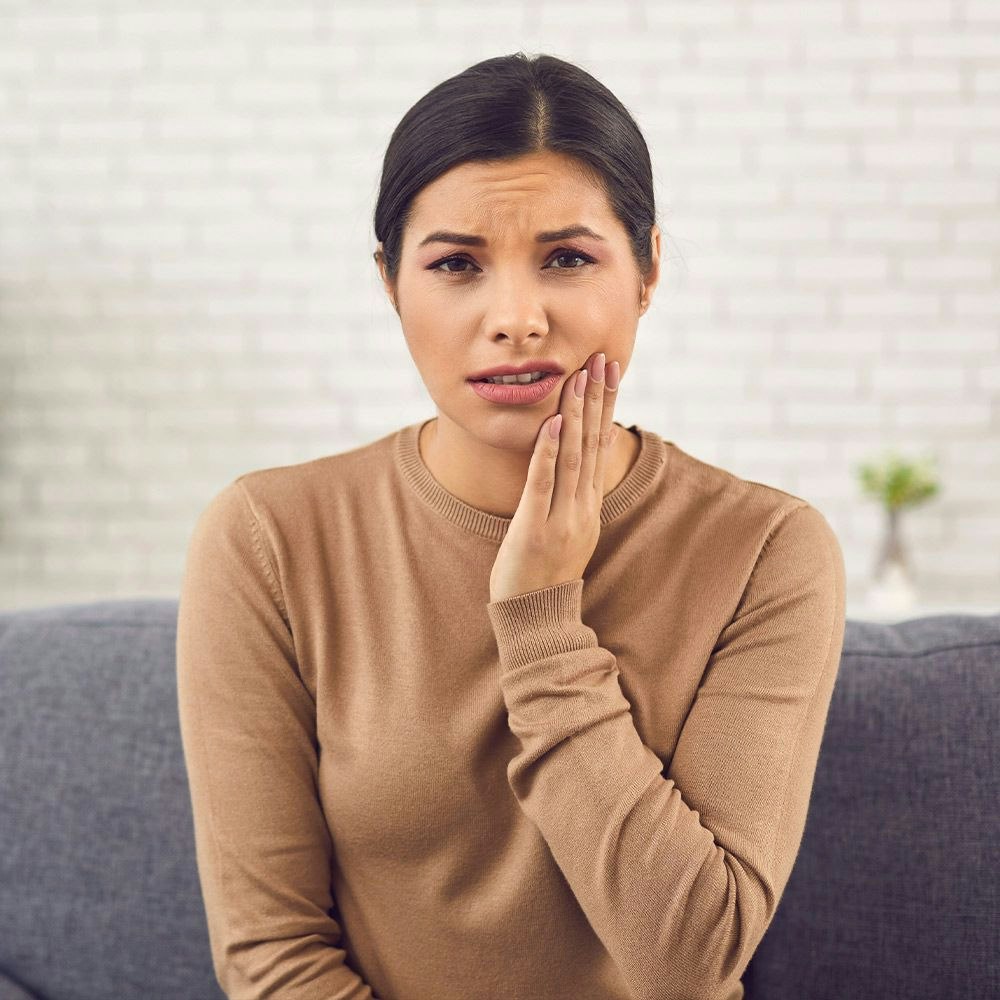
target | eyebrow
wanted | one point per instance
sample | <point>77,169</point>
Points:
<point>548,236</point>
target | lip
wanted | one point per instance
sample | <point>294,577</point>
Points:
<point>518,395</point>
<point>537,365</point>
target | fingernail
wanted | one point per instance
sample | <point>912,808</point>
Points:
<point>598,369</point>
<point>614,375</point>
<point>581,384</point>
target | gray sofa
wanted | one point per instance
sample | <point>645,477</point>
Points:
<point>895,892</point>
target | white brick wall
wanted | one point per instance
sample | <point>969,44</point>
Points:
<point>186,195</point>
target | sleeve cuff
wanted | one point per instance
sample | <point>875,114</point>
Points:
<point>541,623</point>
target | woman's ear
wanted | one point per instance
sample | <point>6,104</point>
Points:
<point>379,256</point>
<point>648,284</point>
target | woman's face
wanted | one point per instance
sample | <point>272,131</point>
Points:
<point>514,298</point>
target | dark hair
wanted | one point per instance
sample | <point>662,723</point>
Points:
<point>506,107</point>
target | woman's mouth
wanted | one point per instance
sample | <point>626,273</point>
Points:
<point>516,393</point>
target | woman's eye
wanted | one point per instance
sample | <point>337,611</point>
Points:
<point>561,254</point>
<point>571,254</point>
<point>452,260</point>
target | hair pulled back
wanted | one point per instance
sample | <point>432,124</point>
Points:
<point>509,106</point>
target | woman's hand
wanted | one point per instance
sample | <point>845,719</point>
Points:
<point>555,528</point>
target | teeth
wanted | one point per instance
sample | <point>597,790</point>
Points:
<point>515,379</point>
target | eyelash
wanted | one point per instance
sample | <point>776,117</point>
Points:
<point>562,252</point>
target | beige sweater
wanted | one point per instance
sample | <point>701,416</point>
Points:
<point>592,791</point>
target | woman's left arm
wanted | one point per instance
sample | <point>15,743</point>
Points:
<point>679,870</point>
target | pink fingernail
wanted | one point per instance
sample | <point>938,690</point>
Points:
<point>581,384</point>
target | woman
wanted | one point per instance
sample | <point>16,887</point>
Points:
<point>493,707</point>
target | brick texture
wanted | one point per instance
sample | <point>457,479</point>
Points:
<point>187,290</point>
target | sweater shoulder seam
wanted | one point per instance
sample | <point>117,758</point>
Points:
<point>261,552</point>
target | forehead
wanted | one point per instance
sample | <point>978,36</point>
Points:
<point>502,193</point>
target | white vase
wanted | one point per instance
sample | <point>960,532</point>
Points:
<point>893,587</point>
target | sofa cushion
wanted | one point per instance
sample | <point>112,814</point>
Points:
<point>895,890</point>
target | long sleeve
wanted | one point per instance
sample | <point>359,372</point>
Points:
<point>679,869</point>
<point>248,727</point>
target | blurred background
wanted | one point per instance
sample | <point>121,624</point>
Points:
<point>187,290</point>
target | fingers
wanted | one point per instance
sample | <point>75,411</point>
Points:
<point>586,435</point>
<point>591,449</point>
<point>606,428</point>
<point>567,466</point>
<point>536,500</point>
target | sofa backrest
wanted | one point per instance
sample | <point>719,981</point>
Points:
<point>894,892</point>
<point>99,892</point>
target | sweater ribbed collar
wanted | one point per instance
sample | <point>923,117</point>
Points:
<point>648,464</point>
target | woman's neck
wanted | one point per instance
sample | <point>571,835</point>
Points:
<point>461,466</point>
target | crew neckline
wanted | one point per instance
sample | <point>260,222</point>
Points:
<point>645,469</point>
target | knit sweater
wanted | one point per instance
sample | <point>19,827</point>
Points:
<point>593,791</point>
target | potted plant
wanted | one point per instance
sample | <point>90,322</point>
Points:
<point>897,484</point>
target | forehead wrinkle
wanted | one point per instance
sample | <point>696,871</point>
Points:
<point>529,183</point>
<point>508,219</point>
<point>550,185</point>
<point>500,209</point>
<point>515,217</point>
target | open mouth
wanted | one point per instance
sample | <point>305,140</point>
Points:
<point>526,379</point>
<point>530,392</point>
